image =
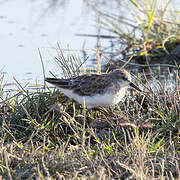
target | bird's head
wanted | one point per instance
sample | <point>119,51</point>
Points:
<point>125,77</point>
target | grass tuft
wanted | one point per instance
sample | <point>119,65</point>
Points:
<point>44,135</point>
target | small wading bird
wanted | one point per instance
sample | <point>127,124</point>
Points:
<point>97,89</point>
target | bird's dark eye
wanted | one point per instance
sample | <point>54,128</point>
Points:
<point>124,78</point>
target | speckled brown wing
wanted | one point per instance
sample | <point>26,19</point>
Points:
<point>88,85</point>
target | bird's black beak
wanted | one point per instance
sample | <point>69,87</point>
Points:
<point>134,86</point>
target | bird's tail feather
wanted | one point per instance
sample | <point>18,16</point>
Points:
<point>64,83</point>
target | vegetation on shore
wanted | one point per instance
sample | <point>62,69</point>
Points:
<point>45,135</point>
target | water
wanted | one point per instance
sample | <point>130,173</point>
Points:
<point>26,26</point>
<point>29,25</point>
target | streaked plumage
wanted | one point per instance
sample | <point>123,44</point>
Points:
<point>97,89</point>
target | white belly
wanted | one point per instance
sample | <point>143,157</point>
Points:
<point>96,100</point>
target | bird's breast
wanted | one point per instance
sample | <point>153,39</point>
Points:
<point>106,99</point>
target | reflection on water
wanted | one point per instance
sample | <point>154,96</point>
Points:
<point>32,24</point>
<point>29,25</point>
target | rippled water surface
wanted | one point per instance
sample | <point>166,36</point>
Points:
<point>28,25</point>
